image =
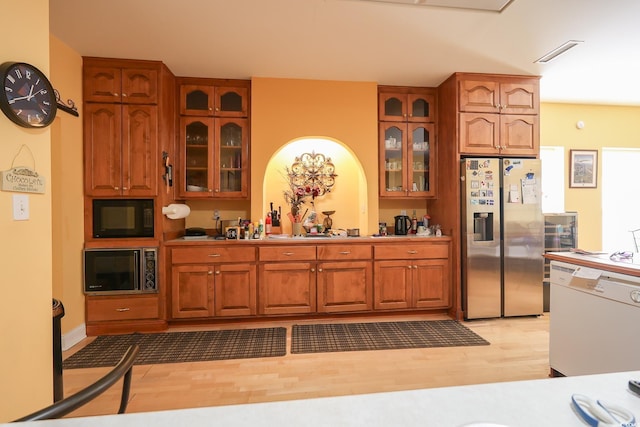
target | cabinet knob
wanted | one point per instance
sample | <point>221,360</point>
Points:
<point>116,94</point>
<point>209,272</point>
<point>319,270</point>
<point>116,188</point>
<point>125,188</point>
<point>217,271</point>
<point>313,270</point>
<point>124,95</point>
<point>409,267</point>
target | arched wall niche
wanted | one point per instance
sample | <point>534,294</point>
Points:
<point>348,196</point>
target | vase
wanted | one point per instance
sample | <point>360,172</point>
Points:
<point>296,229</point>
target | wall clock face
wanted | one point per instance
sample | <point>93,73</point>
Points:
<point>27,97</point>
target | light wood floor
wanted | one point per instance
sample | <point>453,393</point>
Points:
<point>518,351</point>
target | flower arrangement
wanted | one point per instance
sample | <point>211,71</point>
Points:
<point>295,197</point>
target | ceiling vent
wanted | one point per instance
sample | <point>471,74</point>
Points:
<point>486,5</point>
<point>558,51</point>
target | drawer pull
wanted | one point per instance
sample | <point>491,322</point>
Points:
<point>123,309</point>
<point>345,252</point>
<point>412,252</point>
<point>214,255</point>
<point>288,253</point>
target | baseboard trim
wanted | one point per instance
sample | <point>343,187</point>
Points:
<point>73,337</point>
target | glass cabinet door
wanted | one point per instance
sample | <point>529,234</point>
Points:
<point>420,107</point>
<point>421,158</point>
<point>231,156</point>
<point>231,102</point>
<point>393,107</point>
<point>197,136</point>
<point>196,100</point>
<point>393,145</point>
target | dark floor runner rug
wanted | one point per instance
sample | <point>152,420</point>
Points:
<point>381,336</point>
<point>175,347</point>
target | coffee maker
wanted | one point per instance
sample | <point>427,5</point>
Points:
<point>402,225</point>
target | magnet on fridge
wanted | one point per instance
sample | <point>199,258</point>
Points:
<point>530,175</point>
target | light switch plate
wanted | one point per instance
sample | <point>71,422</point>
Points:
<point>20,207</point>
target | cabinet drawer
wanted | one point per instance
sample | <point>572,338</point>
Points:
<point>122,308</point>
<point>344,252</point>
<point>208,255</point>
<point>411,251</point>
<point>288,253</point>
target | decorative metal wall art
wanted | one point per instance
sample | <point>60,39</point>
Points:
<point>313,172</point>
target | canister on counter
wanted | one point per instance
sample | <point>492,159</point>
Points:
<point>382,228</point>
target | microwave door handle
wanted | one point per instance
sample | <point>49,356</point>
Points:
<point>138,269</point>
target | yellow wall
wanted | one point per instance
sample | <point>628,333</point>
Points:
<point>67,188</point>
<point>605,126</point>
<point>283,110</point>
<point>25,253</point>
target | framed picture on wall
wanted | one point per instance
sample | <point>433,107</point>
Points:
<point>583,169</point>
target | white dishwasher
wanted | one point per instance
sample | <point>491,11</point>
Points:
<point>594,321</point>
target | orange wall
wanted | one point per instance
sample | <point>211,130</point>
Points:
<point>67,189</point>
<point>283,110</point>
<point>25,253</point>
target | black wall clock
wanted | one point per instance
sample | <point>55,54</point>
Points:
<point>27,97</point>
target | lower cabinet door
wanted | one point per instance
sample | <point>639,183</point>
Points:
<point>431,283</point>
<point>235,289</point>
<point>392,284</point>
<point>192,291</point>
<point>287,288</point>
<point>345,286</point>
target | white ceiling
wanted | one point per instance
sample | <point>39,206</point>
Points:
<point>355,40</point>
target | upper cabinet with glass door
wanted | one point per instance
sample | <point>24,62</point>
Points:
<point>402,104</point>
<point>214,139</point>
<point>407,142</point>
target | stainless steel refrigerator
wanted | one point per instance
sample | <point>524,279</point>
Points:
<point>502,237</point>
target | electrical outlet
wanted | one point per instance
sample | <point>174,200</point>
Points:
<point>20,207</point>
<point>216,214</point>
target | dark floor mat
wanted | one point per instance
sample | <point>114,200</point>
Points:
<point>175,347</point>
<point>381,336</point>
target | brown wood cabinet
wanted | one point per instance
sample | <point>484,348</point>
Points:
<point>287,279</point>
<point>214,161</point>
<point>120,150</point>
<point>121,127</point>
<point>214,139</point>
<point>407,142</point>
<point>406,104</point>
<point>123,314</point>
<point>107,80</point>
<point>412,276</point>
<point>214,98</point>
<point>499,116</point>
<point>345,278</point>
<point>213,281</point>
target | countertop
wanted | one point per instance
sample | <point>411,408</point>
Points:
<point>285,239</point>
<point>600,261</point>
<point>531,403</point>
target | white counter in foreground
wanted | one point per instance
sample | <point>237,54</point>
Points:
<point>518,404</point>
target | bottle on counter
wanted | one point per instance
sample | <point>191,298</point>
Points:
<point>268,224</point>
<point>414,223</point>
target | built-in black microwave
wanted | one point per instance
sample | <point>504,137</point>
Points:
<point>123,218</point>
<point>120,271</point>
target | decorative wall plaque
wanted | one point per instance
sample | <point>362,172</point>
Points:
<point>22,179</point>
